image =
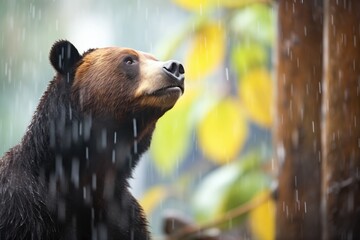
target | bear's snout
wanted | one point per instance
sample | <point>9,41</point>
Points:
<point>175,70</point>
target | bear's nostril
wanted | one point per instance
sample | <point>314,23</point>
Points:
<point>181,69</point>
<point>173,68</point>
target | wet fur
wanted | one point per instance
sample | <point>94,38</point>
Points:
<point>68,178</point>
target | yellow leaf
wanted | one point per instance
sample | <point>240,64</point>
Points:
<point>194,5</point>
<point>152,198</point>
<point>207,51</point>
<point>256,92</point>
<point>262,219</point>
<point>240,3</point>
<point>223,131</point>
<point>198,5</point>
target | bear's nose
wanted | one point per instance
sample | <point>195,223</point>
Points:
<point>174,69</point>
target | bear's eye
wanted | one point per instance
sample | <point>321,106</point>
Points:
<point>129,60</point>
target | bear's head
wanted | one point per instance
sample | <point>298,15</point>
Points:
<point>115,83</point>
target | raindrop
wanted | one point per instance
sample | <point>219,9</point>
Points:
<point>87,127</point>
<point>84,193</point>
<point>355,40</point>
<point>93,181</point>
<point>70,113</point>
<point>313,126</point>
<point>134,127</point>
<point>75,167</point>
<point>227,73</point>
<point>87,153</point>
<point>354,64</point>
<point>80,128</point>
<point>305,207</point>
<point>355,121</point>
<point>281,153</point>
<point>103,138</point>
<point>135,147</point>
<point>305,31</point>
<point>114,137</point>
<point>113,156</point>
<point>307,89</point>
<point>287,211</point>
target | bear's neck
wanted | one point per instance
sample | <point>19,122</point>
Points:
<point>76,148</point>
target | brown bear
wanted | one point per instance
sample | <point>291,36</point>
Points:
<point>68,178</point>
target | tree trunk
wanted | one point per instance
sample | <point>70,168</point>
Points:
<point>298,107</point>
<point>341,129</point>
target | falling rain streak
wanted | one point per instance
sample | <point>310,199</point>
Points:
<point>135,135</point>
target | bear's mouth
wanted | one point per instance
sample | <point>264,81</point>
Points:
<point>169,90</point>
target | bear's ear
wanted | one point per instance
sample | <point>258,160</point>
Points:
<point>63,56</point>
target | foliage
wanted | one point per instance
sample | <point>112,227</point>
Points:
<point>228,95</point>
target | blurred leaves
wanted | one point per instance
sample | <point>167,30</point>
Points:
<point>170,140</point>
<point>226,49</point>
<point>152,198</point>
<point>242,190</point>
<point>246,57</point>
<point>229,187</point>
<point>207,51</point>
<point>262,219</point>
<point>256,92</point>
<point>198,5</point>
<point>223,131</point>
<point>254,23</point>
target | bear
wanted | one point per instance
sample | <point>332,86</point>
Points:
<point>68,177</point>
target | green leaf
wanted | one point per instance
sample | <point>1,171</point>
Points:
<point>255,22</point>
<point>213,191</point>
<point>247,56</point>
<point>210,192</point>
<point>243,190</point>
<point>170,141</point>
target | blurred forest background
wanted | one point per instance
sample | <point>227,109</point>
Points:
<point>212,152</point>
